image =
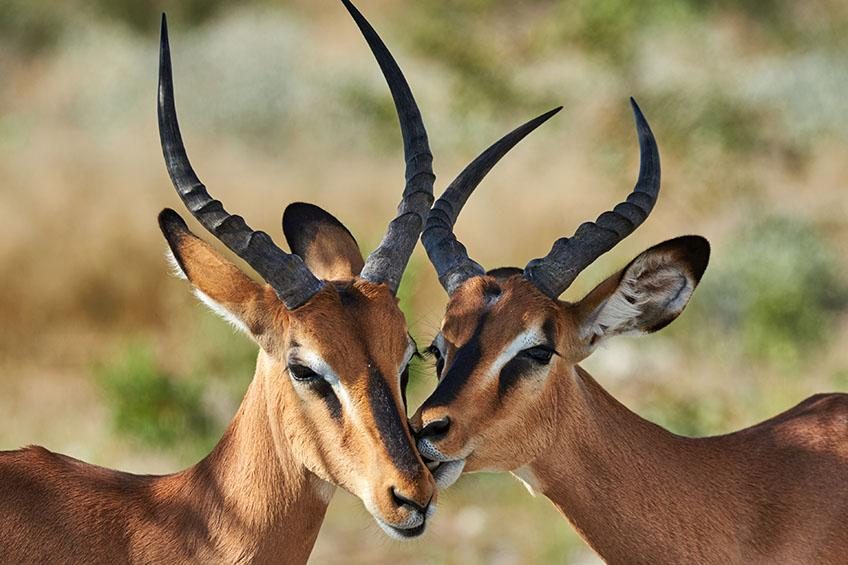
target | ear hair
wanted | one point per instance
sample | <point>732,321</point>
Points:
<point>634,302</point>
<point>649,293</point>
<point>219,284</point>
<point>222,312</point>
<point>618,308</point>
<point>176,268</point>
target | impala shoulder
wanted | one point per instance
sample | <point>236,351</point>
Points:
<point>821,421</point>
<point>832,408</point>
<point>26,471</point>
<point>29,457</point>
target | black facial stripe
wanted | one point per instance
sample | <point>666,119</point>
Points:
<point>323,389</point>
<point>511,373</point>
<point>549,331</point>
<point>466,359</point>
<point>389,423</point>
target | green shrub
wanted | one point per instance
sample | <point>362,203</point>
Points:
<point>152,406</point>
<point>776,290</point>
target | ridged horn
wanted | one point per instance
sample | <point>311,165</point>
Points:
<point>446,253</point>
<point>387,263</point>
<point>556,271</point>
<point>286,273</point>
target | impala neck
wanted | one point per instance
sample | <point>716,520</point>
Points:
<point>633,490</point>
<point>256,503</point>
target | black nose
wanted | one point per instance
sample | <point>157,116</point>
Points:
<point>401,501</point>
<point>435,429</point>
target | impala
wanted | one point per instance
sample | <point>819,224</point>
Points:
<point>512,397</point>
<point>326,405</point>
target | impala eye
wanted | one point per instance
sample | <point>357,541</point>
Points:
<point>540,354</point>
<point>302,373</point>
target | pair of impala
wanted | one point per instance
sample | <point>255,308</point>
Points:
<point>327,404</point>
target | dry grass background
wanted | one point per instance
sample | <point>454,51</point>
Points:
<point>102,352</point>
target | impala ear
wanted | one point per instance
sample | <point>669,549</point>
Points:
<point>503,273</point>
<point>325,245</point>
<point>648,294</point>
<point>246,304</point>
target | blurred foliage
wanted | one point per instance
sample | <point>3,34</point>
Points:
<point>28,27</point>
<point>745,96</point>
<point>138,15</point>
<point>684,412</point>
<point>31,26</point>
<point>456,35</point>
<point>153,406</point>
<point>776,290</point>
<point>382,120</point>
<point>713,119</point>
<point>183,410</point>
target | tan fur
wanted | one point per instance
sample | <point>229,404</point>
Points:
<point>773,493</point>
<point>338,258</point>
<point>261,495</point>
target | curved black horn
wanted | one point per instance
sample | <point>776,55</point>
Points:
<point>556,271</point>
<point>387,263</point>
<point>286,273</point>
<point>446,253</point>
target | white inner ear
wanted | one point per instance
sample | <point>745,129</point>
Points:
<point>176,270</point>
<point>618,311</point>
<point>221,311</point>
<point>652,289</point>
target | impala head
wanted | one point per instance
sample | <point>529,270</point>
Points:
<point>334,344</point>
<point>507,344</point>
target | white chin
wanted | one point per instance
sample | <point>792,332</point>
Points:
<point>401,534</point>
<point>448,472</point>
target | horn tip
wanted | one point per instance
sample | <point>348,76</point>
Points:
<point>637,113</point>
<point>643,129</point>
<point>549,114</point>
<point>164,47</point>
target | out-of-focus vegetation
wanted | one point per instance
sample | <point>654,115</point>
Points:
<point>777,293</point>
<point>106,357</point>
<point>151,405</point>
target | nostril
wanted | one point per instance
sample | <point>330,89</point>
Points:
<point>435,429</point>
<point>401,501</point>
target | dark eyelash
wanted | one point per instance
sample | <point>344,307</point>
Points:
<point>302,373</point>
<point>541,354</point>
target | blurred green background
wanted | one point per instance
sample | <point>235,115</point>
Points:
<point>106,357</point>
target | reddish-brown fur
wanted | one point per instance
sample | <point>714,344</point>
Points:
<point>261,495</point>
<point>247,502</point>
<point>773,493</point>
